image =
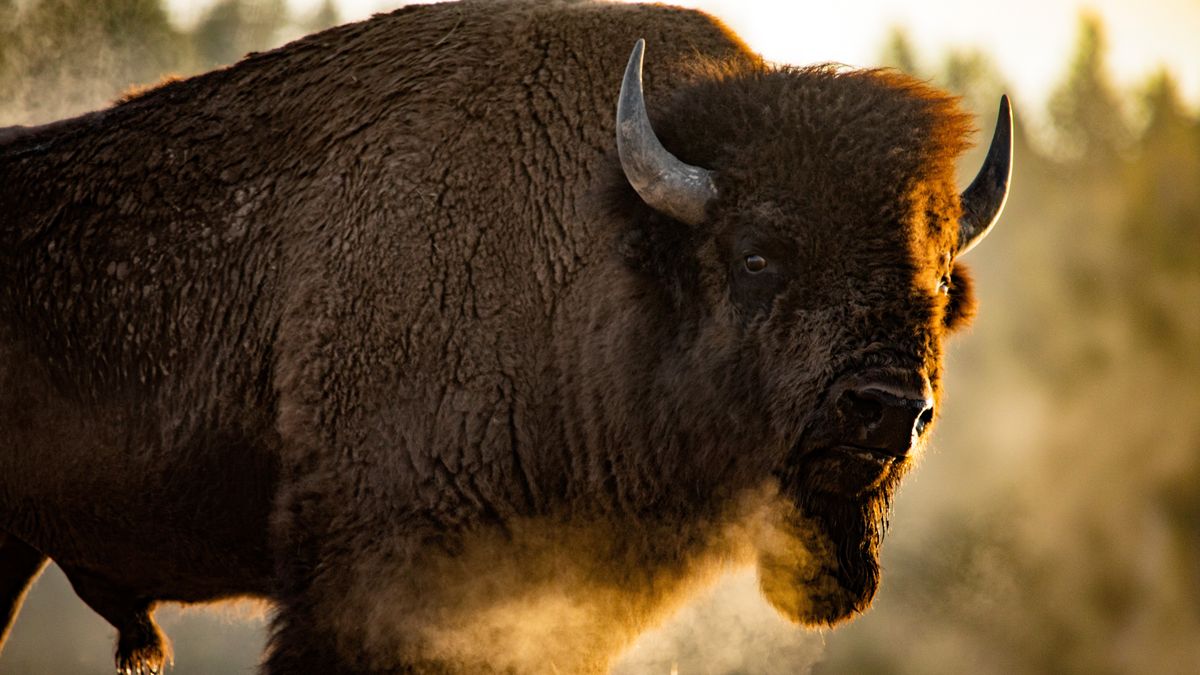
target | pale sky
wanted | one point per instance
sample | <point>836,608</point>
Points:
<point>1031,40</point>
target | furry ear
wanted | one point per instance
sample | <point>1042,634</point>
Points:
<point>658,248</point>
<point>655,245</point>
<point>961,308</point>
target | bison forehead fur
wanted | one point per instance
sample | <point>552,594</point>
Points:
<point>374,326</point>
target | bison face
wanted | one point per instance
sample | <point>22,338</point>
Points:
<point>821,228</point>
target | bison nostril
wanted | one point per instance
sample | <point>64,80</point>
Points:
<point>861,409</point>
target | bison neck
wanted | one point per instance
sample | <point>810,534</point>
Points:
<point>644,429</point>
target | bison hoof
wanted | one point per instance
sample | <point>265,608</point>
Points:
<point>141,663</point>
<point>142,649</point>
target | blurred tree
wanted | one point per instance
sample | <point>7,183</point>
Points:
<point>1085,108</point>
<point>326,16</point>
<point>973,75</point>
<point>8,26</point>
<point>1165,202</point>
<point>216,36</point>
<point>898,52</point>
<point>84,51</point>
<point>233,28</point>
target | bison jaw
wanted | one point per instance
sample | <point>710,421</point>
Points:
<point>802,576</point>
<point>818,549</point>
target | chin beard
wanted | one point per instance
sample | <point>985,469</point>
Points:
<point>818,557</point>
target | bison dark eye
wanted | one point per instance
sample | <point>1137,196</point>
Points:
<point>755,263</point>
<point>944,285</point>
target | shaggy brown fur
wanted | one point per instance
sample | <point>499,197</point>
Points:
<point>373,325</point>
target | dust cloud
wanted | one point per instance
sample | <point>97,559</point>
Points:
<point>728,628</point>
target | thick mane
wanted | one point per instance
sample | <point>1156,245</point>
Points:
<point>867,118</point>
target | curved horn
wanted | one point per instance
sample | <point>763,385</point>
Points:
<point>984,198</point>
<point>679,190</point>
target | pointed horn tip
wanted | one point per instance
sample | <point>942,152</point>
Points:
<point>639,51</point>
<point>633,71</point>
<point>1002,136</point>
<point>1005,114</point>
<point>1004,127</point>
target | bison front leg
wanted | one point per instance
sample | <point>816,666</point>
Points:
<point>20,564</point>
<point>142,649</point>
<point>350,592</point>
<point>348,615</point>
<point>300,645</point>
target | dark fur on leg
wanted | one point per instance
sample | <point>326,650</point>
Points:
<point>142,649</point>
<point>301,644</point>
<point>295,649</point>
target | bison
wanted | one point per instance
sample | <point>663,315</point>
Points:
<point>399,327</point>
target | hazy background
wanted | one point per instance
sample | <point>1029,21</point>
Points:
<point>1055,524</point>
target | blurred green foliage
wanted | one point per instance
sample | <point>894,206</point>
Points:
<point>234,27</point>
<point>86,52</point>
<point>1054,528</point>
<point>76,49</point>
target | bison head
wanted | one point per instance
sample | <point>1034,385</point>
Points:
<point>810,220</point>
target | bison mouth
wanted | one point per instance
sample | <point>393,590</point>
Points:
<point>844,471</point>
<point>819,559</point>
<point>874,456</point>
